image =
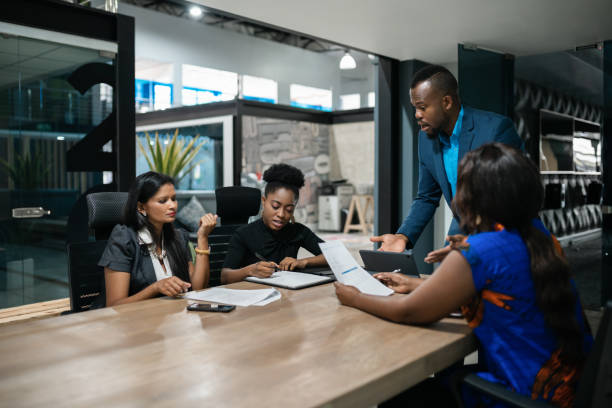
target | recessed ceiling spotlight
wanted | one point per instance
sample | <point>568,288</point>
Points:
<point>195,12</point>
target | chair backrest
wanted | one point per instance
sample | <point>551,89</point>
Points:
<point>105,211</point>
<point>595,388</point>
<point>236,204</point>
<point>85,277</point>
<point>219,240</point>
<point>78,220</point>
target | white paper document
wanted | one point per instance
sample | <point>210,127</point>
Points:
<point>272,298</point>
<point>348,272</point>
<point>238,297</point>
<point>290,279</point>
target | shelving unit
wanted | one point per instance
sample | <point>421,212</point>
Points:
<point>570,165</point>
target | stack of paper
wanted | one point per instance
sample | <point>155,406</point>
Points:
<point>348,272</point>
<point>257,297</point>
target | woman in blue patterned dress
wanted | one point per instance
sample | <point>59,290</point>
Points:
<point>510,279</point>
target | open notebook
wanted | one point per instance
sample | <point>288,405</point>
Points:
<point>291,280</point>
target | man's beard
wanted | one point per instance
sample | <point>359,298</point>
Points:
<point>434,133</point>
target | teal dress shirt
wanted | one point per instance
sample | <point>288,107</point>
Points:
<point>450,152</point>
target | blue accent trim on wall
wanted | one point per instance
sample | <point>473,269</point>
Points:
<point>145,89</point>
<point>255,98</point>
<point>307,106</point>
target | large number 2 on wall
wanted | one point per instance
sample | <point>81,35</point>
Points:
<point>87,154</point>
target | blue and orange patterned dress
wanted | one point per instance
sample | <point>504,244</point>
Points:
<point>518,348</point>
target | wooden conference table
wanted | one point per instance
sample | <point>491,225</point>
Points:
<point>301,351</point>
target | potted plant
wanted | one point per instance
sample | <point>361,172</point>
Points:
<point>171,158</point>
<point>27,172</point>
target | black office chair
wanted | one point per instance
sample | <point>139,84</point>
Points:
<point>86,278</point>
<point>234,206</point>
<point>219,240</point>
<point>594,389</point>
<point>105,211</point>
<point>78,220</point>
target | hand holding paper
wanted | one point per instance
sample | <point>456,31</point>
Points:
<point>348,272</point>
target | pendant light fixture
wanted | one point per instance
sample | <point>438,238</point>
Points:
<point>347,61</point>
<point>195,12</point>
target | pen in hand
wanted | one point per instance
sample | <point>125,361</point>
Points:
<point>261,258</point>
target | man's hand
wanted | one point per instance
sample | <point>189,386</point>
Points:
<point>457,241</point>
<point>289,264</point>
<point>262,269</point>
<point>391,242</point>
<point>398,282</point>
<point>438,255</point>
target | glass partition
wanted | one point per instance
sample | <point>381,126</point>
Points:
<point>42,117</point>
<point>558,110</point>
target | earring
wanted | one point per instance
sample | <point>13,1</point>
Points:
<point>478,220</point>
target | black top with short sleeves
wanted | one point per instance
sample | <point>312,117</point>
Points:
<point>272,245</point>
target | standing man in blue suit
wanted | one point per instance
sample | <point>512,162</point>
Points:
<point>448,131</point>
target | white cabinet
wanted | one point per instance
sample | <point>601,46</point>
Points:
<point>329,213</point>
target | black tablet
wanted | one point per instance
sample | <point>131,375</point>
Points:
<point>380,261</point>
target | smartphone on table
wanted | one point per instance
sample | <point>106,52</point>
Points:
<point>208,307</point>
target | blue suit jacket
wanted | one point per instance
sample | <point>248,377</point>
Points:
<point>478,128</point>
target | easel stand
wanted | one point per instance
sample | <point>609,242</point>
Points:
<point>355,205</point>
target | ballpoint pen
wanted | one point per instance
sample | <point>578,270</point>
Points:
<point>261,258</point>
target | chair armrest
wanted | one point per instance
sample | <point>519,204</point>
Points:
<point>501,393</point>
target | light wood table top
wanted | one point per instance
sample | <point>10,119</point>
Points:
<point>301,351</point>
<point>39,310</point>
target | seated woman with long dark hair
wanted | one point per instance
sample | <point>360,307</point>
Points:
<point>145,256</point>
<point>521,301</point>
<point>273,241</point>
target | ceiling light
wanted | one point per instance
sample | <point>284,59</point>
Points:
<point>195,12</point>
<point>348,62</point>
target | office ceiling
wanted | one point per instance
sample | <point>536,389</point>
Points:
<point>576,73</point>
<point>430,31</point>
<point>23,59</point>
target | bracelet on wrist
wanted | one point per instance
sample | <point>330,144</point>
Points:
<point>199,251</point>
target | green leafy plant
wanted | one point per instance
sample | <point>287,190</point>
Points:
<point>27,172</point>
<point>170,158</point>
